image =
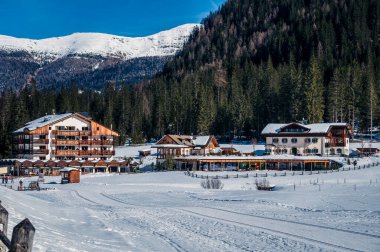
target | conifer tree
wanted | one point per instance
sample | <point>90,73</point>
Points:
<point>315,92</point>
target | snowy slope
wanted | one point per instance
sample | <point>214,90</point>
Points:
<point>164,43</point>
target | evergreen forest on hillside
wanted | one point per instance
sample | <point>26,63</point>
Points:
<point>252,63</point>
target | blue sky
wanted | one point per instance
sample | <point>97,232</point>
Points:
<point>47,18</point>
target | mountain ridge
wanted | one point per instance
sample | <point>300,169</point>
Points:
<point>79,56</point>
<point>159,44</point>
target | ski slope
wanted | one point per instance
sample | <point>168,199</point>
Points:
<point>169,211</point>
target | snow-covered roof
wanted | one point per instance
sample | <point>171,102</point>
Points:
<point>272,128</point>
<point>42,121</point>
<point>201,140</point>
<point>323,127</point>
<point>242,148</point>
<point>67,169</point>
<point>145,150</point>
<point>268,157</point>
<point>315,128</point>
<point>170,146</point>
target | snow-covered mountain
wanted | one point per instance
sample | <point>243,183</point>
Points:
<point>161,44</point>
<point>72,58</point>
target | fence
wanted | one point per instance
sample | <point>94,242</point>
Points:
<point>278,174</point>
<point>22,237</point>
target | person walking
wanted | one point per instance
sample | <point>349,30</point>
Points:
<point>3,179</point>
<point>20,187</point>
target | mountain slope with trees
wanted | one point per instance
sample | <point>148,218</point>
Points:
<point>252,62</point>
<point>256,62</point>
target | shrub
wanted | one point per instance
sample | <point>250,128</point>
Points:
<point>212,184</point>
<point>263,184</point>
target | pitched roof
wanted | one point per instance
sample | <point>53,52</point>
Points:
<point>315,128</point>
<point>42,121</point>
<point>201,140</point>
<point>182,139</point>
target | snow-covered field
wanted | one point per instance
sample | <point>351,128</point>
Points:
<point>169,211</point>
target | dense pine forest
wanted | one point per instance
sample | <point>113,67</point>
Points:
<point>252,63</point>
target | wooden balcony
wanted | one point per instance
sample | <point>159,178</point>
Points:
<point>65,152</point>
<point>82,142</point>
<point>45,152</point>
<point>40,141</point>
<point>21,141</point>
<point>102,142</point>
<point>71,133</point>
<point>86,152</point>
<point>22,151</point>
<point>328,145</point>
<point>83,152</point>
<point>85,133</point>
<point>65,142</point>
<point>85,142</point>
<point>65,132</point>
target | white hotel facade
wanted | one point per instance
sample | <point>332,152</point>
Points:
<point>324,139</point>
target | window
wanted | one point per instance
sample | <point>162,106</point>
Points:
<point>42,158</point>
<point>309,151</point>
<point>307,140</point>
<point>284,140</point>
<point>315,151</point>
<point>97,128</point>
<point>315,140</point>
<point>275,140</point>
<point>85,128</point>
<point>278,151</point>
<point>294,140</point>
<point>339,151</point>
<point>284,151</point>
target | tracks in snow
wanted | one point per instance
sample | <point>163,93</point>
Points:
<point>317,235</point>
<point>309,233</point>
<point>296,222</point>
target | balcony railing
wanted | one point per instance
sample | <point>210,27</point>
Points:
<point>65,142</point>
<point>22,151</point>
<point>65,152</point>
<point>45,152</point>
<point>85,133</point>
<point>71,133</point>
<point>328,145</point>
<point>83,152</point>
<point>21,141</point>
<point>41,141</point>
<point>102,142</point>
<point>82,142</point>
<point>85,142</point>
